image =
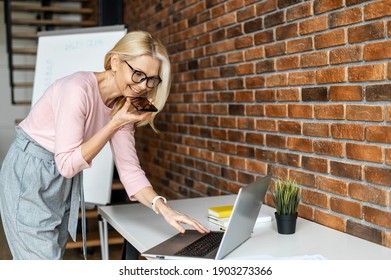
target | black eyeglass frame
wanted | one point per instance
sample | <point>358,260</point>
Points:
<point>144,78</point>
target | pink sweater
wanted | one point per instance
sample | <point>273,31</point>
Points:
<point>69,113</point>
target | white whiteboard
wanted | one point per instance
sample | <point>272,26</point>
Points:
<point>61,53</point>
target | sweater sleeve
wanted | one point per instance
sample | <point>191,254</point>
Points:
<point>125,156</point>
<point>70,111</point>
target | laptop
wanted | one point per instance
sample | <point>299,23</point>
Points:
<point>192,244</point>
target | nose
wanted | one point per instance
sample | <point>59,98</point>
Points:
<point>142,86</point>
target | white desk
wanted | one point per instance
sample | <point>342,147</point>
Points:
<point>144,229</point>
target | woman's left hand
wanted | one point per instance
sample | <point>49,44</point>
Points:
<point>176,219</point>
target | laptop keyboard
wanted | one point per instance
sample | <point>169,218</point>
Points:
<point>202,246</point>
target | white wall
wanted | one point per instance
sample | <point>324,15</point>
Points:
<point>9,113</point>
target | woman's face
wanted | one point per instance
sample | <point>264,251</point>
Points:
<point>136,73</point>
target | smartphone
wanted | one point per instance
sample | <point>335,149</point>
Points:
<point>143,105</point>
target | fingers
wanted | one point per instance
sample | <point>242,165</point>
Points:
<point>176,219</point>
<point>191,222</point>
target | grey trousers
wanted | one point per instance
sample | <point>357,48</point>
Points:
<point>35,201</point>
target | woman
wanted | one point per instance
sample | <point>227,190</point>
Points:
<point>78,114</point>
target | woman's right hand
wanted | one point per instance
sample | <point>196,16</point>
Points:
<point>125,115</point>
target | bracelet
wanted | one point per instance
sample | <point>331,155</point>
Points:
<point>154,202</point>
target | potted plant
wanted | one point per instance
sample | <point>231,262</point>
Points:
<point>286,197</point>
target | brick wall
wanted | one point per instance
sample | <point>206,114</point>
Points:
<point>299,89</point>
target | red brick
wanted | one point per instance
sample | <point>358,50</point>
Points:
<point>289,127</point>
<point>277,80</point>
<point>300,111</point>
<point>234,5</point>
<point>341,169</point>
<point>380,92</point>
<point>225,46</point>
<point>377,9</point>
<point>377,51</point>
<point>331,185</point>
<point>237,162</point>
<point>255,53</point>
<point>368,194</point>
<point>367,32</point>
<point>266,7</point>
<point>314,94</point>
<point>245,69</point>
<point>266,155</point>
<point>364,113</point>
<point>301,78</point>
<point>255,82</point>
<point>246,13</point>
<point>364,152</point>
<point>314,59</point>
<point>374,72</point>
<point>329,148</point>
<point>321,6</point>
<point>244,96</point>
<point>276,141</point>
<point>346,17</point>
<point>266,125</point>
<point>236,57</point>
<point>263,37</point>
<point>329,220</point>
<point>287,31</point>
<point>300,144</point>
<point>345,55</point>
<point>347,131</point>
<point>299,11</point>
<point>316,129</point>
<point>300,45</point>
<point>292,94</point>
<point>288,159</point>
<point>346,207</point>
<point>331,75</point>
<point>314,164</point>
<point>256,166</point>
<point>275,49</point>
<point>306,212</point>
<point>244,42</point>
<point>276,110</point>
<point>388,156</point>
<point>387,239</point>
<point>265,66</point>
<point>315,198</point>
<point>377,216</point>
<point>265,95</point>
<point>288,62</point>
<point>274,19</point>
<point>302,178</point>
<point>331,112</point>
<point>313,25</point>
<point>346,93</point>
<point>378,133</point>
<point>380,176</point>
<point>330,39</point>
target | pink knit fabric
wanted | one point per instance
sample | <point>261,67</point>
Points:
<point>69,113</point>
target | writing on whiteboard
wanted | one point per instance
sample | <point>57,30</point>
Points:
<point>79,44</point>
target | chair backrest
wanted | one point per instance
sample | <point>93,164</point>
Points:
<point>64,52</point>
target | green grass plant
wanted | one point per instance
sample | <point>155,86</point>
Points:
<point>286,197</point>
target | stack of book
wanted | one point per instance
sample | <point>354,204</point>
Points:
<point>220,215</point>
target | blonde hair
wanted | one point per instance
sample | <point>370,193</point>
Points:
<point>135,44</point>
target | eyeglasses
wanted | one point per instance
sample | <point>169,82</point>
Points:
<point>139,77</point>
